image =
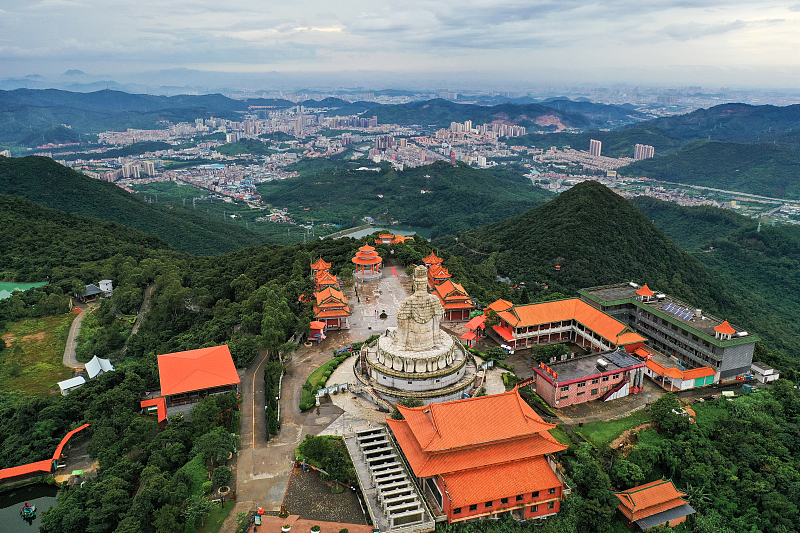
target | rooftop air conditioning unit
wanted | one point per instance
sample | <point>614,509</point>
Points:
<point>742,334</point>
<point>602,364</point>
<point>661,296</point>
<point>632,284</point>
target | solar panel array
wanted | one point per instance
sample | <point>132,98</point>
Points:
<point>679,311</point>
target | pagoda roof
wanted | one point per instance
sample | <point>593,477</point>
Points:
<point>569,309</point>
<point>649,499</point>
<point>401,239</point>
<point>315,324</point>
<point>194,370</point>
<point>725,328</point>
<point>645,291</point>
<point>325,278</point>
<point>320,264</point>
<point>367,249</point>
<point>476,322</point>
<point>448,289</point>
<point>321,312</point>
<point>432,259</point>
<point>518,477</point>
<point>330,295</point>
<point>386,236</point>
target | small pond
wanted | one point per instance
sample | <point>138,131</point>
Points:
<point>41,495</point>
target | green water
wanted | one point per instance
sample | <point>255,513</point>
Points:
<point>40,495</point>
<point>11,286</point>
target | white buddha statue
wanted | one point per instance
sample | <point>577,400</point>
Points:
<point>419,317</point>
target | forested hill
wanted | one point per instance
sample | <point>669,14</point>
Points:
<point>44,181</point>
<point>40,243</point>
<point>763,266</point>
<point>757,168</point>
<point>441,113</point>
<point>596,237</point>
<point>440,196</point>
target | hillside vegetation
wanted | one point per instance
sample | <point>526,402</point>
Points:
<point>455,198</point>
<point>764,169</point>
<point>44,181</point>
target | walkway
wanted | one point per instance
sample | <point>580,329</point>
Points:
<point>69,359</point>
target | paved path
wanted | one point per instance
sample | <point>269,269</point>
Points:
<point>148,292</point>
<point>69,359</point>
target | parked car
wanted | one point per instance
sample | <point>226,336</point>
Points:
<point>509,350</point>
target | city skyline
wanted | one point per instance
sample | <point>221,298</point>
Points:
<point>742,44</point>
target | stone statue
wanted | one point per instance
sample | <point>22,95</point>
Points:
<point>419,317</point>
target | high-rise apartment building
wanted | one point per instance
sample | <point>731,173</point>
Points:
<point>595,147</point>
<point>643,151</point>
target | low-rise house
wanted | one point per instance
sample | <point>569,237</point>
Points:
<point>653,504</point>
<point>763,373</point>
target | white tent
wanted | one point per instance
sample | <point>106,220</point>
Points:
<point>69,384</point>
<point>98,366</point>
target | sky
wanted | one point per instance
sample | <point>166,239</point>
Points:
<point>711,43</point>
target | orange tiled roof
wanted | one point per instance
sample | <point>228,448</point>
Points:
<point>331,313</point>
<point>476,322</point>
<point>432,259</point>
<point>316,325</point>
<point>469,336</point>
<point>329,295</point>
<point>677,373</point>
<point>456,305</point>
<point>504,332</point>
<point>161,406</point>
<point>448,289</point>
<point>519,477</point>
<point>725,328</point>
<point>320,264</point>
<point>194,370</point>
<point>449,425</point>
<point>501,305</point>
<point>438,271</point>
<point>401,239</point>
<point>649,499</point>
<point>43,467</point>
<point>561,310</point>
<point>326,278</point>
<point>386,236</point>
<point>702,372</point>
<point>645,291</point>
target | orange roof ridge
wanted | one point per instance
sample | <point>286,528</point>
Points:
<point>725,328</point>
<point>645,291</point>
<point>196,370</point>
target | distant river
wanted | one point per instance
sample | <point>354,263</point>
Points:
<point>396,230</point>
<point>41,495</point>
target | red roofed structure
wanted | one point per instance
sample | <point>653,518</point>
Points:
<point>724,330</point>
<point>331,307</point>
<point>324,279</point>
<point>368,263</point>
<point>455,300</point>
<point>482,457</point>
<point>187,377</point>
<point>653,504</point>
<point>673,378</point>
<point>432,260</point>
<point>319,265</point>
<point>38,468</point>
<point>157,406</point>
<point>437,274</point>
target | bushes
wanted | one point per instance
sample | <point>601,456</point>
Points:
<point>272,375</point>
<point>317,380</point>
<point>222,476</point>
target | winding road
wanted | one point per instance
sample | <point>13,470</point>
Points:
<point>69,359</point>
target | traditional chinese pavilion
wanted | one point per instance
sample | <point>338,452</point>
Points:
<point>455,300</point>
<point>368,263</point>
<point>437,274</point>
<point>385,238</point>
<point>319,265</point>
<point>653,504</point>
<point>432,260</point>
<point>324,279</point>
<point>331,308</point>
<point>482,457</point>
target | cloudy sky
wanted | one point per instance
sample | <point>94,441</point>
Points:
<point>700,42</point>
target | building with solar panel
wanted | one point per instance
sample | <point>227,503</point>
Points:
<point>690,337</point>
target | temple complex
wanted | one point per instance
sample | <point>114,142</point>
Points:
<point>368,264</point>
<point>417,359</point>
<point>482,457</point>
<point>456,302</point>
<point>331,308</point>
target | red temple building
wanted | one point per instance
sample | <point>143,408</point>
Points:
<point>437,274</point>
<point>324,279</point>
<point>368,263</point>
<point>455,300</point>
<point>653,504</point>
<point>385,238</point>
<point>318,266</point>
<point>331,308</point>
<point>482,457</point>
<point>432,260</point>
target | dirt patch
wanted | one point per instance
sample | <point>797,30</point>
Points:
<point>34,338</point>
<point>550,120</point>
<point>9,339</point>
<point>625,438</point>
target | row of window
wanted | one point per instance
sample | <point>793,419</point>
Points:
<point>595,381</point>
<point>504,501</point>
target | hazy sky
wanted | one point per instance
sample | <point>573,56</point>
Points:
<point>702,42</point>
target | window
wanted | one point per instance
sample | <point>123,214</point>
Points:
<point>520,497</point>
<point>551,490</point>
<point>551,505</point>
<point>565,388</point>
<point>473,507</point>
<point>503,501</point>
<point>534,508</point>
<point>581,393</point>
<point>605,378</point>
<point>457,510</point>
<point>594,392</point>
<point>581,384</point>
<point>616,376</point>
<point>535,494</point>
<point>564,398</point>
<point>595,381</point>
<point>489,504</point>
<point>604,389</point>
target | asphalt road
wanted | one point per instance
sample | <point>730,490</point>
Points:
<point>69,359</point>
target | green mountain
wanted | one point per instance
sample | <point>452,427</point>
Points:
<point>740,123</point>
<point>40,243</point>
<point>44,181</point>
<point>757,168</point>
<point>441,113</point>
<point>596,237</point>
<point>440,196</point>
<point>762,264</point>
